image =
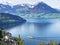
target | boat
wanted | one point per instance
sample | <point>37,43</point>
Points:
<point>30,37</point>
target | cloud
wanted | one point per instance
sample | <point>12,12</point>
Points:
<point>14,2</point>
<point>52,3</point>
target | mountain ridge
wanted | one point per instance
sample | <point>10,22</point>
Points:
<point>25,9</point>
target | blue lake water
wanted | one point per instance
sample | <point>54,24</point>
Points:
<point>41,29</point>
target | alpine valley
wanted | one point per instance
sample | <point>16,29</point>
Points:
<point>41,10</point>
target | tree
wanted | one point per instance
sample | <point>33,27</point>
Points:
<point>1,33</point>
<point>41,43</point>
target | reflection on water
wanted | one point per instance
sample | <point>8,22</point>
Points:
<point>40,31</point>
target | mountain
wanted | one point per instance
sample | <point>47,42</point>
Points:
<point>5,8</point>
<point>43,8</point>
<point>28,9</point>
<point>9,20</point>
<point>16,9</point>
<point>6,17</point>
<point>21,9</point>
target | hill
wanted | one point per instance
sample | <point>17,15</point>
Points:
<point>9,20</point>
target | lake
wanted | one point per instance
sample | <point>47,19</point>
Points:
<point>40,29</point>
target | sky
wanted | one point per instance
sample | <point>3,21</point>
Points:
<point>52,3</point>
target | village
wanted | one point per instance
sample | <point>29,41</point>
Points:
<point>6,38</point>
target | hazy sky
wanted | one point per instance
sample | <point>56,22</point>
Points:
<point>52,3</point>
